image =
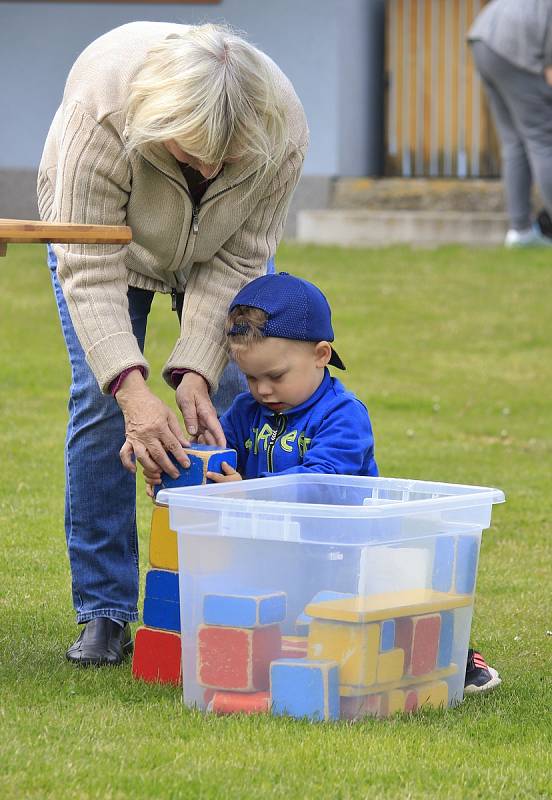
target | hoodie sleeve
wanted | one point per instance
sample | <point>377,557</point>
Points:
<point>343,444</point>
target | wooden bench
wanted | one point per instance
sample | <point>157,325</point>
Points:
<point>19,231</point>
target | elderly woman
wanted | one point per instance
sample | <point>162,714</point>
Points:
<point>196,140</point>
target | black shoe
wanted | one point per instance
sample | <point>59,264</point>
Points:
<point>544,222</point>
<point>102,642</point>
<point>479,676</point>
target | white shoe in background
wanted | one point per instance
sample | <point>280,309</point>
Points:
<point>531,237</point>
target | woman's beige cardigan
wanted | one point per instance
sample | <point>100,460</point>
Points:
<point>88,175</point>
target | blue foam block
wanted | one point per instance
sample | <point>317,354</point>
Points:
<point>326,594</point>
<point>387,636</point>
<point>162,614</point>
<point>239,609</point>
<point>446,639</point>
<point>443,563</point>
<point>162,584</point>
<point>302,687</point>
<point>219,455</point>
<point>467,553</point>
<point>192,476</point>
<point>215,462</point>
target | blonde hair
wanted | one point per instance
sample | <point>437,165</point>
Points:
<point>252,320</point>
<point>213,94</point>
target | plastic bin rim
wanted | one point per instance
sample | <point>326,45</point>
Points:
<point>213,497</point>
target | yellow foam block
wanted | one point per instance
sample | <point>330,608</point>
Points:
<point>407,681</point>
<point>354,647</point>
<point>394,702</point>
<point>376,607</point>
<point>433,695</point>
<point>163,548</point>
<point>390,666</point>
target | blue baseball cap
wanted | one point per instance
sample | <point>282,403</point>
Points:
<point>296,309</point>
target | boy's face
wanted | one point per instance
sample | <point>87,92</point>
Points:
<point>283,373</point>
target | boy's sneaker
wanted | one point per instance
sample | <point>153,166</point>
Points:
<point>532,237</point>
<point>479,676</point>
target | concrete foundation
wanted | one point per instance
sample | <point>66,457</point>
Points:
<point>364,212</point>
<point>18,194</point>
<point>370,228</point>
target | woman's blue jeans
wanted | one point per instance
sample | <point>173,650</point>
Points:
<point>100,495</point>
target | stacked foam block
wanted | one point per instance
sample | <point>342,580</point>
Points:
<point>364,655</point>
<point>354,655</point>
<point>393,650</point>
<point>239,639</point>
<point>157,645</point>
<point>246,666</point>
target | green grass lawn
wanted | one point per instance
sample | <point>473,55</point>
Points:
<point>451,351</point>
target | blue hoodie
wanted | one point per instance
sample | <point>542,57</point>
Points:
<point>330,433</point>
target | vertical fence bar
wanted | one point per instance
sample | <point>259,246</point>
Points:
<point>399,72</point>
<point>392,34</point>
<point>420,50</point>
<point>437,120</point>
<point>468,105</point>
<point>406,166</point>
<point>461,156</point>
<point>428,83</point>
<point>447,144</point>
<point>435,96</point>
<point>476,109</point>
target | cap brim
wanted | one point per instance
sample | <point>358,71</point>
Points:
<point>335,361</point>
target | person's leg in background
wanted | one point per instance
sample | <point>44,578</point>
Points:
<point>100,506</point>
<point>520,105</point>
<point>532,106</point>
<point>516,170</point>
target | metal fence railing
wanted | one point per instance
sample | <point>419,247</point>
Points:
<point>437,122</point>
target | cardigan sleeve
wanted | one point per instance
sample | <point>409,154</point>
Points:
<point>92,186</point>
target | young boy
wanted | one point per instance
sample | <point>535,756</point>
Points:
<point>296,417</point>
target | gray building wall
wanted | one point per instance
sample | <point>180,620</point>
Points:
<point>330,50</point>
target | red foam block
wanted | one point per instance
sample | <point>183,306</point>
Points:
<point>239,703</point>
<point>237,658</point>
<point>411,700</point>
<point>157,656</point>
<point>425,644</point>
<point>403,638</point>
<point>419,638</point>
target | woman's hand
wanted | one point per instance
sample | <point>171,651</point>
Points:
<point>230,474</point>
<point>152,429</point>
<point>200,417</point>
<point>152,480</point>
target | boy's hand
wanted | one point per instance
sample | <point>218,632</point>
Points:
<point>230,474</point>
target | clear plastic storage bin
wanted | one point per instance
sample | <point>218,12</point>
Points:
<point>326,596</point>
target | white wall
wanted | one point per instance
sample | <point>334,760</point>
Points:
<point>325,47</point>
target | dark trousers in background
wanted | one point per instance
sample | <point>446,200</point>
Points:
<point>521,105</point>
